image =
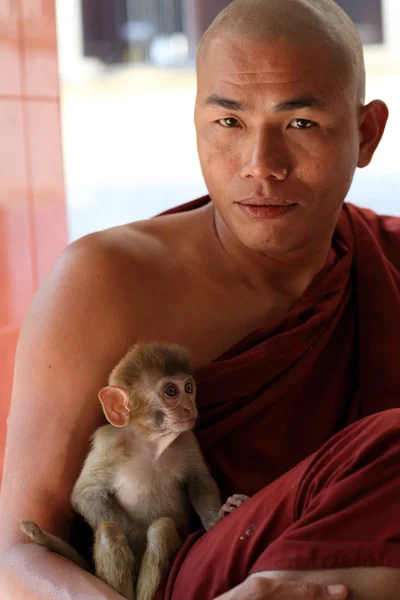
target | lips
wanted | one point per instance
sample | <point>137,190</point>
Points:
<point>186,424</point>
<point>265,201</point>
<point>265,208</point>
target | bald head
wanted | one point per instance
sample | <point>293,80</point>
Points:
<point>315,23</point>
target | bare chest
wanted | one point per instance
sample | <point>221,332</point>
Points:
<point>210,320</point>
<point>192,296</point>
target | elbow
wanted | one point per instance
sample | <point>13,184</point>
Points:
<point>14,567</point>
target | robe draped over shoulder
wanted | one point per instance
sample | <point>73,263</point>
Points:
<point>296,415</point>
<point>279,394</point>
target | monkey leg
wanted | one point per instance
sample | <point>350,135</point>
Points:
<point>162,543</point>
<point>113,559</point>
<point>53,543</point>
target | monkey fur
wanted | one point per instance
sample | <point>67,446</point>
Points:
<point>143,472</point>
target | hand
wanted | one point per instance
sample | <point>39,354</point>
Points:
<point>262,588</point>
<point>231,504</point>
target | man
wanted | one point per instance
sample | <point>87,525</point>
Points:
<point>289,304</point>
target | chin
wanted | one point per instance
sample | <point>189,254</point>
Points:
<point>262,235</point>
<point>271,237</point>
<point>184,425</point>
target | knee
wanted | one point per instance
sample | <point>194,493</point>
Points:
<point>382,428</point>
<point>390,417</point>
<point>162,534</point>
<point>373,443</point>
<point>110,535</point>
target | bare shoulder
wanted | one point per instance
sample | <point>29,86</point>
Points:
<point>80,323</point>
<point>112,274</point>
<point>104,293</point>
<point>141,249</point>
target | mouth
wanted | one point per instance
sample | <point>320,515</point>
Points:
<point>188,423</point>
<point>266,208</point>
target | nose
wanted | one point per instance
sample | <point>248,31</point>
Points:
<point>190,412</point>
<point>265,157</point>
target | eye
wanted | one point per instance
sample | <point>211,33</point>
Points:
<point>302,124</point>
<point>229,123</point>
<point>170,390</point>
<point>188,388</point>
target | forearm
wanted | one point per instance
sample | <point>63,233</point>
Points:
<point>205,498</point>
<point>364,583</point>
<point>30,572</point>
<point>372,583</point>
<point>97,506</point>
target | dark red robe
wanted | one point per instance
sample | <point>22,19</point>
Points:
<point>279,395</point>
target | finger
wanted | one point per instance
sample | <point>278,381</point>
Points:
<point>301,590</point>
<point>257,587</point>
<point>241,497</point>
<point>237,499</point>
<point>228,509</point>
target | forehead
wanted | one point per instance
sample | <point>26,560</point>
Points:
<point>253,68</point>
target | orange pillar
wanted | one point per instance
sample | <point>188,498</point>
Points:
<point>33,227</point>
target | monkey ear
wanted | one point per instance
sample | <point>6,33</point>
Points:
<point>115,403</point>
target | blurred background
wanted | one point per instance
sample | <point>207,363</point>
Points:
<point>127,93</point>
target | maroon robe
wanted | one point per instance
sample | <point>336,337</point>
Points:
<point>280,394</point>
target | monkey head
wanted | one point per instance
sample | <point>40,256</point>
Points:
<point>153,387</point>
<point>173,403</point>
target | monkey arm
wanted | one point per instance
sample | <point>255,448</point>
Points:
<point>205,498</point>
<point>93,495</point>
<point>202,489</point>
<point>97,505</point>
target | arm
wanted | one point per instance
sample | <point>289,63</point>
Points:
<point>30,572</point>
<point>93,493</point>
<point>75,331</point>
<point>372,583</point>
<point>202,490</point>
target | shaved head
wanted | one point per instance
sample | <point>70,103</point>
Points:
<point>320,24</point>
<point>281,123</point>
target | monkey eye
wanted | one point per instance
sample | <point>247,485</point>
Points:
<point>188,388</point>
<point>170,390</point>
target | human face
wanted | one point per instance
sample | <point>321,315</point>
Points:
<point>278,140</point>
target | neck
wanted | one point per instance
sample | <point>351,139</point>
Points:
<point>288,273</point>
<point>155,442</point>
<point>160,442</point>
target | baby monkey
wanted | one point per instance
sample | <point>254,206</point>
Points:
<point>142,473</point>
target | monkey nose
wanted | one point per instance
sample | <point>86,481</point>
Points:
<point>191,412</point>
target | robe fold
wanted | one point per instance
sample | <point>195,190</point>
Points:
<point>280,394</point>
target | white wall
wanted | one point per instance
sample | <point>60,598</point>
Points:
<point>72,64</point>
<point>391,26</point>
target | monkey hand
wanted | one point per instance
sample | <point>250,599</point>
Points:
<point>261,588</point>
<point>231,504</point>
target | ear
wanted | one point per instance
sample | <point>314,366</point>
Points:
<point>115,403</point>
<point>373,118</point>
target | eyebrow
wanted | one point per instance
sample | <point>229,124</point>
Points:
<point>215,100</point>
<point>305,102</point>
<point>295,104</point>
